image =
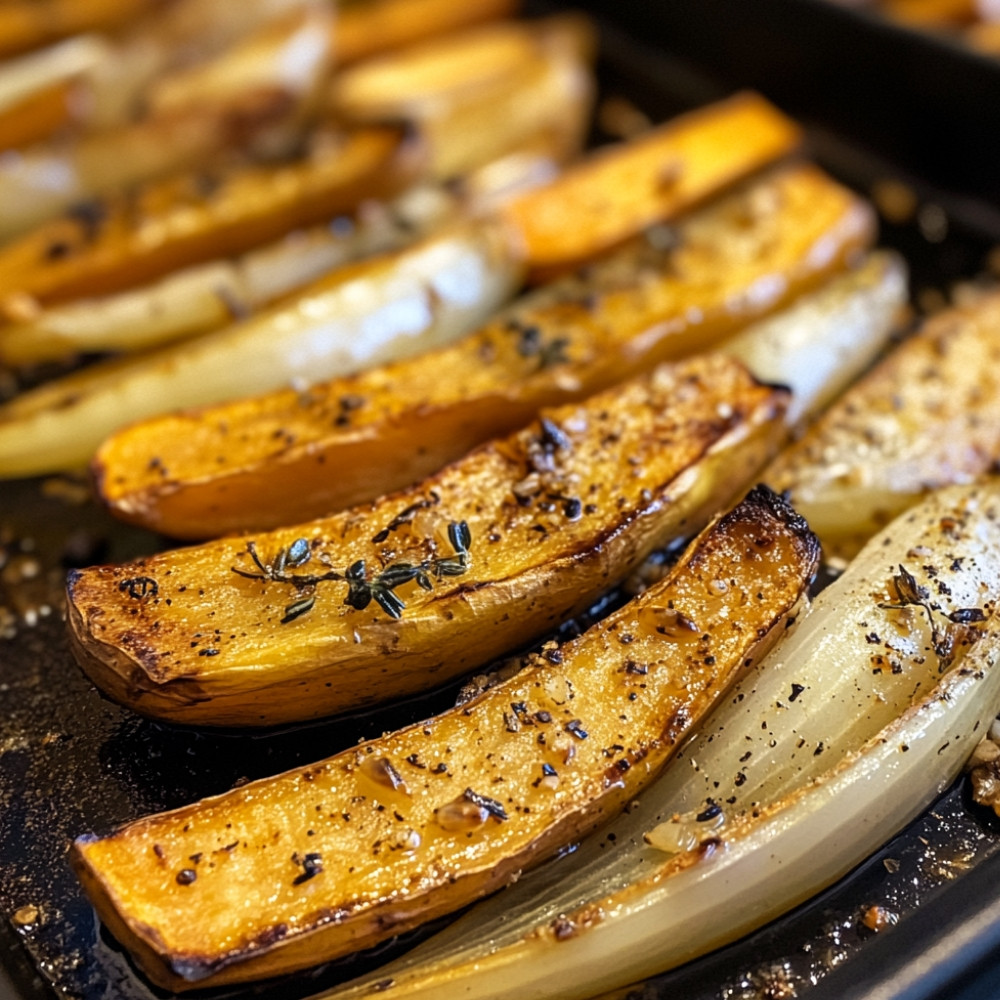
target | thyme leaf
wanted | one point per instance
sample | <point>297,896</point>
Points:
<point>959,627</point>
<point>361,590</point>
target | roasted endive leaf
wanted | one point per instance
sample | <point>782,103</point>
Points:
<point>265,461</point>
<point>478,93</point>
<point>554,515</point>
<point>927,416</point>
<point>833,743</point>
<point>289,871</point>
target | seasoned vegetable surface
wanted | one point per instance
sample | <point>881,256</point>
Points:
<point>265,461</point>
<point>419,586</point>
<point>928,416</point>
<point>326,859</point>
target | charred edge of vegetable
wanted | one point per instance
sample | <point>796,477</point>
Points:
<point>763,499</point>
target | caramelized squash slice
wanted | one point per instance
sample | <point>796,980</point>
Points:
<point>38,115</point>
<point>422,585</point>
<point>129,239</point>
<point>29,24</point>
<point>294,870</point>
<point>622,189</point>
<point>366,29</point>
<point>41,92</point>
<point>265,461</point>
<point>927,416</point>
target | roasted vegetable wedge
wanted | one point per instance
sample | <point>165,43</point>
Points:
<point>38,92</point>
<point>365,29</point>
<point>478,93</point>
<point>622,189</point>
<point>40,184</point>
<point>834,742</point>
<point>927,416</point>
<point>28,24</point>
<point>823,342</point>
<point>224,633</point>
<point>211,295</point>
<point>264,462</point>
<point>292,870</point>
<point>388,306</point>
<point>126,240</point>
<point>291,55</point>
<point>175,38</point>
<point>271,81</point>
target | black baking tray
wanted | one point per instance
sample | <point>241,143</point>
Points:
<point>72,762</point>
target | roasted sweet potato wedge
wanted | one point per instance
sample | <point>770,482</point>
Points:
<point>293,870</point>
<point>622,189</point>
<point>126,240</point>
<point>928,416</point>
<point>225,634</point>
<point>365,29</point>
<point>265,461</point>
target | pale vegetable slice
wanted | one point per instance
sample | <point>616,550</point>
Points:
<point>390,306</point>
<point>91,80</point>
<point>208,296</point>
<point>927,416</point>
<point>549,100</point>
<point>821,344</point>
<point>234,633</point>
<point>181,33</point>
<point>831,745</point>
<point>292,870</point>
<point>262,462</point>
<point>410,82</point>
<point>290,55</point>
<point>475,94</point>
<point>37,184</point>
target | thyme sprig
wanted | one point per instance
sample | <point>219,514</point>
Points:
<point>958,627</point>
<point>361,590</point>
